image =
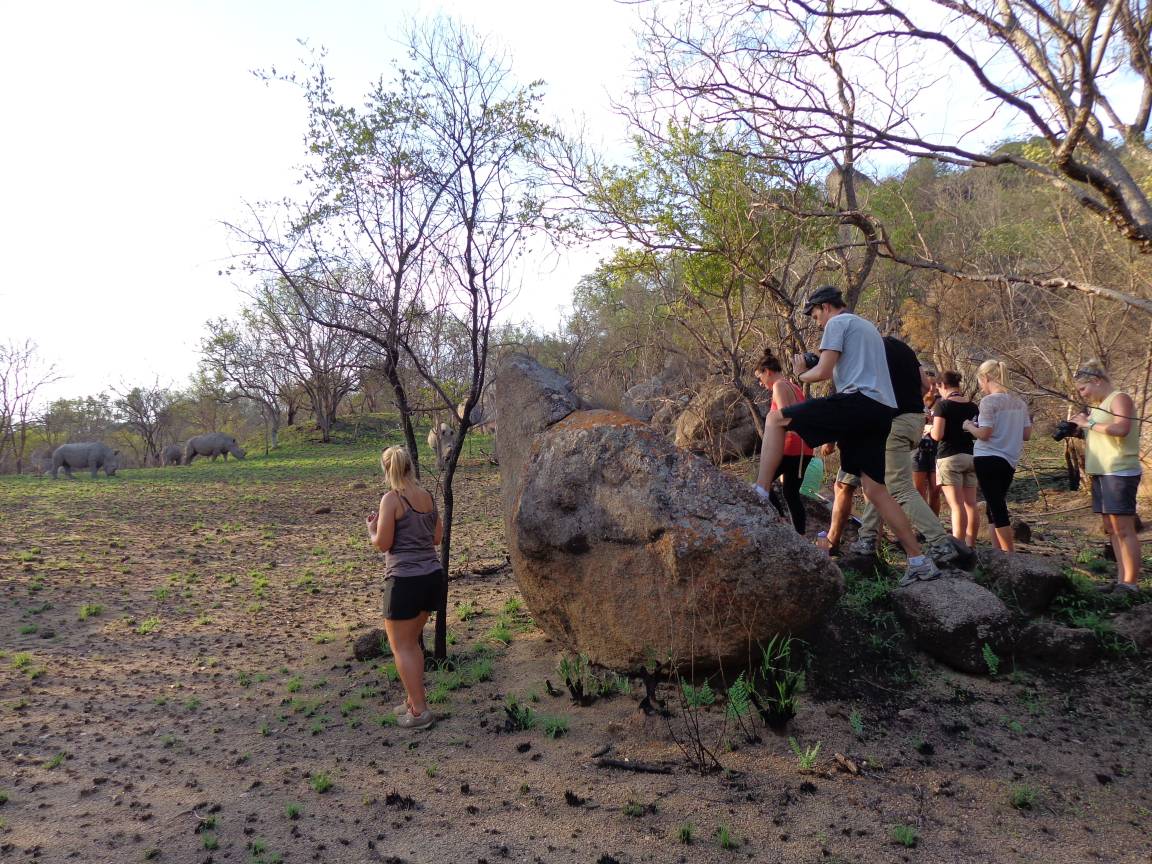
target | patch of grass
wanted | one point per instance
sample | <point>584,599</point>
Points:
<point>28,629</point>
<point>350,706</point>
<point>501,631</point>
<point>905,835</point>
<point>320,782</point>
<point>467,610</point>
<point>323,638</point>
<point>1023,796</point>
<point>148,625</point>
<point>554,727</point>
<point>685,833</point>
<point>21,660</point>
<point>432,769</point>
<point>635,809</point>
<point>56,761</point>
<point>856,721</point>
<point>991,660</point>
<point>3,797</point>
<point>292,810</point>
<point>209,841</point>
<point>294,684</point>
<point>725,839</point>
<point>520,717</point>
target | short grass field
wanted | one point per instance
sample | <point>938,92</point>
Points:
<point>177,684</point>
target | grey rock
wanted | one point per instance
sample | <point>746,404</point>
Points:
<point>1136,624</point>
<point>953,619</point>
<point>211,444</point>
<point>92,455</point>
<point>630,550</point>
<point>370,645</point>
<point>666,393</point>
<point>1065,647</point>
<point>1027,581</point>
<point>718,424</point>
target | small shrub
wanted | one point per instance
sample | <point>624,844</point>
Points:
<point>856,721</point>
<point>320,782</point>
<point>1023,797</point>
<point>554,727</point>
<point>905,835</point>
<point>724,838</point>
<point>685,833</point>
<point>148,625</point>
<point>209,841</point>
<point>520,717</point>
<point>805,756</point>
<point>292,811</point>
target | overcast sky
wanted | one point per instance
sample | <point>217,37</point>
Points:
<point>133,129</point>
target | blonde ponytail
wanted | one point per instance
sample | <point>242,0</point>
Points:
<point>397,464</point>
<point>994,371</point>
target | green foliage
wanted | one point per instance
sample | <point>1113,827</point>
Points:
<point>856,721</point>
<point>725,839</point>
<point>1023,796</point>
<point>905,835</point>
<point>991,660</point>
<point>805,756</point>
<point>554,727</point>
<point>685,833</point>
<point>320,782</point>
<point>519,717</point>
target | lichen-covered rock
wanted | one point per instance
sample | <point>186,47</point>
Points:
<point>718,424</point>
<point>953,619</point>
<point>630,550</point>
<point>1063,647</point>
<point>1029,582</point>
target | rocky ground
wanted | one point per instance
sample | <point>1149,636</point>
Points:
<point>177,684</point>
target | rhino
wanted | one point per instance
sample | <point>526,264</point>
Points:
<point>441,440</point>
<point>173,454</point>
<point>85,454</point>
<point>212,444</point>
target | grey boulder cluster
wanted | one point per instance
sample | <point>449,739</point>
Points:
<point>633,551</point>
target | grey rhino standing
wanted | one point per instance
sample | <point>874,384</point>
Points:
<point>212,444</point>
<point>85,454</point>
<point>173,454</point>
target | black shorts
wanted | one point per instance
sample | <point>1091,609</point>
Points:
<point>405,597</point>
<point>924,457</point>
<point>857,424</point>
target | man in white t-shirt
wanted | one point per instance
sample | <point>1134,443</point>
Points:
<point>858,416</point>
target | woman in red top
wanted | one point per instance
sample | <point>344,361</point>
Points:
<point>797,454</point>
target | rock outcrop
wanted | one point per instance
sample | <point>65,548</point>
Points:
<point>630,550</point>
<point>1029,582</point>
<point>953,619</point>
<point>718,424</point>
<point>1061,647</point>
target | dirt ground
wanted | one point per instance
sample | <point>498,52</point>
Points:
<point>177,684</point>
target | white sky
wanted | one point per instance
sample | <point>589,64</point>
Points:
<point>133,129</point>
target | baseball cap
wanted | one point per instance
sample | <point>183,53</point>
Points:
<point>823,294</point>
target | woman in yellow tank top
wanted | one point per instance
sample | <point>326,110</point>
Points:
<point>1112,458</point>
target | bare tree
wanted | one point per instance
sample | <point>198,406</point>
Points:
<point>22,377</point>
<point>821,82</point>
<point>147,413</point>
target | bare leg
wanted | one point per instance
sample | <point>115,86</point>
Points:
<point>1127,547</point>
<point>404,637</point>
<point>972,528</point>
<point>953,495</point>
<point>891,512</point>
<point>772,448</point>
<point>1003,538</point>
<point>841,510</point>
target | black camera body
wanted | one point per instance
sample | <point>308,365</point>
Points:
<point>1066,429</point>
<point>811,358</point>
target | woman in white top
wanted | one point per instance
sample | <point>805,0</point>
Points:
<point>1112,459</point>
<point>1000,432</point>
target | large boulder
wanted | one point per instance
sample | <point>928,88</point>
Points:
<point>630,550</point>
<point>718,423</point>
<point>1029,582</point>
<point>953,619</point>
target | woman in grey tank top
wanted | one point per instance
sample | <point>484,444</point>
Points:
<point>407,529</point>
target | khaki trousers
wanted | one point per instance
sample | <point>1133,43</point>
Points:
<point>907,430</point>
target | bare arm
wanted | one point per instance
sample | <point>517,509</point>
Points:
<point>1123,409</point>
<point>382,524</point>
<point>822,371</point>
<point>938,428</point>
<point>983,433</point>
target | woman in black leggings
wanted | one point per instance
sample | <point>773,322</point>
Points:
<point>797,454</point>
<point>1000,430</point>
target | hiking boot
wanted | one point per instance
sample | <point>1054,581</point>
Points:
<point>408,720</point>
<point>925,571</point>
<point>943,552</point>
<point>863,546</point>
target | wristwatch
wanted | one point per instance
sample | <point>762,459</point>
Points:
<point>1092,424</point>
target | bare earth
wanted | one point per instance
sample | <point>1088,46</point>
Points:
<point>194,717</point>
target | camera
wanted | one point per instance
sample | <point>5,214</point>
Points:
<point>1066,429</point>
<point>811,358</point>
